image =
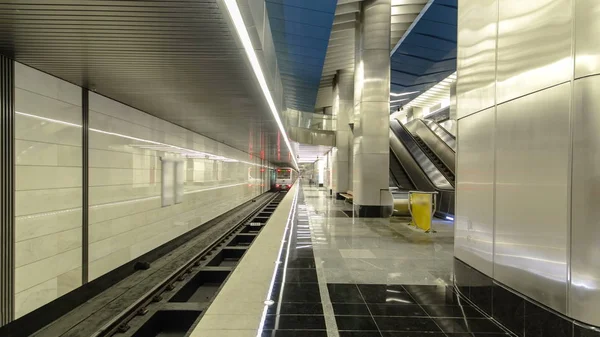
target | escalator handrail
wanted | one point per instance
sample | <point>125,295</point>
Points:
<point>419,163</point>
<point>426,122</point>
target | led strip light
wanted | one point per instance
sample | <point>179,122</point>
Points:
<point>240,27</point>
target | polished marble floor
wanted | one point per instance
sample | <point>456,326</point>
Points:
<point>349,277</point>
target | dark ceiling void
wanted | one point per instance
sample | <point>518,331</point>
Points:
<point>301,30</point>
<point>427,55</point>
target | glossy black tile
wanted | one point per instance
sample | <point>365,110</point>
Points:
<point>509,310</point>
<point>433,294</point>
<point>541,322</point>
<point>389,323</point>
<point>295,322</point>
<point>462,274</point>
<point>360,334</point>
<point>344,293</point>
<point>412,334</point>
<point>477,334</point>
<point>300,275</point>
<point>467,325</point>
<point>286,308</point>
<point>452,311</point>
<point>301,262</point>
<point>381,293</point>
<point>581,331</point>
<point>294,333</point>
<point>299,292</point>
<point>406,310</point>
<point>352,309</point>
<point>355,323</point>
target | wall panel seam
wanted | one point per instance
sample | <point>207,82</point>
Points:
<point>85,226</point>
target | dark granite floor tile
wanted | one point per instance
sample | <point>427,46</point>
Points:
<point>477,334</point>
<point>353,309</point>
<point>509,310</point>
<point>406,310</point>
<point>299,292</point>
<point>360,334</point>
<point>286,308</point>
<point>412,334</point>
<point>581,331</point>
<point>461,325</point>
<point>540,322</point>
<point>294,333</point>
<point>301,262</point>
<point>433,294</point>
<point>295,322</point>
<point>300,275</point>
<point>355,323</point>
<point>406,324</point>
<point>381,293</point>
<point>452,311</point>
<point>344,293</point>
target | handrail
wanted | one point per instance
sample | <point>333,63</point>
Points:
<point>450,140</point>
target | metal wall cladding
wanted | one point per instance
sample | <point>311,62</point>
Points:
<point>584,293</point>
<point>476,55</point>
<point>587,44</point>
<point>532,173</point>
<point>474,233</point>
<point>534,46</point>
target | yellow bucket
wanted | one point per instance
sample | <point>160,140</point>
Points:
<point>422,207</point>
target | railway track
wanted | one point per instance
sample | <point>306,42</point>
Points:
<point>171,300</point>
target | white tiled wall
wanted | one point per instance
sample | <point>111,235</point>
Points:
<point>126,218</point>
<point>48,188</point>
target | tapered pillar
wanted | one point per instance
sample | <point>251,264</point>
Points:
<point>343,110</point>
<point>372,197</point>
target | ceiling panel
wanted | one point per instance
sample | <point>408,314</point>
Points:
<point>178,60</point>
<point>301,31</point>
<point>427,53</point>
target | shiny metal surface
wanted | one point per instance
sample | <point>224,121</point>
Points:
<point>311,137</point>
<point>435,176</point>
<point>532,173</point>
<point>587,45</point>
<point>343,110</point>
<point>440,148</point>
<point>309,120</point>
<point>476,55</point>
<point>441,132</point>
<point>584,293</point>
<point>534,46</point>
<point>474,220</point>
<point>177,60</point>
<point>371,105</point>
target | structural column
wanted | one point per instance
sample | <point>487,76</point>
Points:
<point>7,195</point>
<point>372,197</point>
<point>343,110</point>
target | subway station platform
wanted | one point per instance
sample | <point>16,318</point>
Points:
<point>336,275</point>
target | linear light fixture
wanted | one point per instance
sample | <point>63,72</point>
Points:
<point>240,27</point>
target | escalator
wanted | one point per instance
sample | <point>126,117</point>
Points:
<point>437,144</point>
<point>419,169</point>
<point>398,176</point>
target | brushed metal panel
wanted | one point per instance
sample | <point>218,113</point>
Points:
<point>474,221</point>
<point>584,296</point>
<point>476,55</point>
<point>587,44</point>
<point>534,46</point>
<point>532,173</point>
